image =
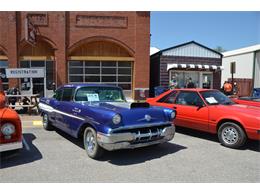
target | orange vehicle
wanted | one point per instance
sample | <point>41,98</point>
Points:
<point>211,111</point>
<point>10,126</point>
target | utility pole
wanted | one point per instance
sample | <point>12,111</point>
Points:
<point>232,71</point>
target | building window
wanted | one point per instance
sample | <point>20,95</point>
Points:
<point>201,79</point>
<point>117,73</point>
<point>3,67</point>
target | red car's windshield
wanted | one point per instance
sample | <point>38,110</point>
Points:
<point>215,98</point>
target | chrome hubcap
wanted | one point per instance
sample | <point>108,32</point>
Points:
<point>230,135</point>
<point>90,142</point>
<point>45,120</point>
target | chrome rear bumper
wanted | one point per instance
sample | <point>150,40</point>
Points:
<point>128,140</point>
<point>10,146</point>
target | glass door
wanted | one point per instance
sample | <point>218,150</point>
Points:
<point>38,83</point>
<point>207,80</point>
<point>43,86</point>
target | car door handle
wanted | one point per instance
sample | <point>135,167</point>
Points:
<point>76,110</point>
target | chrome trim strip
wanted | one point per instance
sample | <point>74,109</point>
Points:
<point>11,146</point>
<point>48,108</point>
<point>140,126</point>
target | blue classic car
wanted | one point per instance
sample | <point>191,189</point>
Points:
<point>102,117</point>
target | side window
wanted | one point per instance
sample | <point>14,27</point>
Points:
<point>58,94</point>
<point>189,98</point>
<point>169,98</point>
<point>68,94</point>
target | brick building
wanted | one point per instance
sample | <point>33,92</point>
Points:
<point>175,65</point>
<point>72,47</point>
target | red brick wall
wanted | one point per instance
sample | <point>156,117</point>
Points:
<point>64,30</point>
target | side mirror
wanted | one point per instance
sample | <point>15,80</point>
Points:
<point>53,87</point>
<point>199,104</point>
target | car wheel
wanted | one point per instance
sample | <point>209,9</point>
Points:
<point>45,122</point>
<point>231,135</point>
<point>91,145</point>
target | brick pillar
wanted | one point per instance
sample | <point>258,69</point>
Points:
<point>12,45</point>
<point>142,56</point>
<point>60,53</point>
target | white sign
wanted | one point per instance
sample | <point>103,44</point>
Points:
<point>93,97</point>
<point>24,72</point>
<point>211,100</point>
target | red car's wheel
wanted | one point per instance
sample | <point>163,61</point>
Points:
<point>231,135</point>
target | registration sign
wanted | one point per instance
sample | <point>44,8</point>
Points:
<point>24,73</point>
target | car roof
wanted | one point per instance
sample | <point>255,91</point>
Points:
<point>89,85</point>
<point>194,89</point>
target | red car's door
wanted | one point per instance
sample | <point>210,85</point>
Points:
<point>166,101</point>
<point>191,111</point>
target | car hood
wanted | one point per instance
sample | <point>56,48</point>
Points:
<point>133,116</point>
<point>241,108</point>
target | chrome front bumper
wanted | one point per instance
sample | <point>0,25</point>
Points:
<point>129,140</point>
<point>10,146</point>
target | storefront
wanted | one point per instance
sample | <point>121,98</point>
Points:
<point>199,78</point>
<point>177,65</point>
<point>3,66</point>
<point>79,47</point>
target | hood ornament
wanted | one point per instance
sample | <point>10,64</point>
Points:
<point>147,117</point>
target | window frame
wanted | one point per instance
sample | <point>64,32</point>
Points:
<point>72,94</point>
<point>55,94</point>
<point>194,92</point>
<point>166,97</point>
<point>101,75</point>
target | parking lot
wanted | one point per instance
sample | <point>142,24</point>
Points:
<point>53,156</point>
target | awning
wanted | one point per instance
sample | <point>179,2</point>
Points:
<point>214,67</point>
<point>191,66</point>
<point>206,66</point>
<point>194,66</point>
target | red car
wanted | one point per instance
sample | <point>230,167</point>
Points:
<point>248,101</point>
<point>211,111</point>
<point>10,126</point>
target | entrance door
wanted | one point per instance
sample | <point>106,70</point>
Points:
<point>42,86</point>
<point>207,80</point>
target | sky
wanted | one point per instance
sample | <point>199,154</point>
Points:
<point>230,30</point>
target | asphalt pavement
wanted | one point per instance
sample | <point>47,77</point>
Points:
<point>53,156</point>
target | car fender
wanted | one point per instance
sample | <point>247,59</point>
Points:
<point>230,118</point>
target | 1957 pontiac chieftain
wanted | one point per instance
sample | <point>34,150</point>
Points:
<point>101,115</point>
<point>10,126</point>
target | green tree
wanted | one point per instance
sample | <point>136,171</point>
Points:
<point>219,49</point>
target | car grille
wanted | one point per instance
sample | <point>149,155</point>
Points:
<point>146,134</point>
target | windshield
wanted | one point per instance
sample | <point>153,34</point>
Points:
<point>99,94</point>
<point>216,97</point>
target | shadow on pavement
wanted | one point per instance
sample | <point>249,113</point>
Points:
<point>141,155</point>
<point>27,154</point>
<point>131,156</point>
<point>250,144</point>
<point>78,142</point>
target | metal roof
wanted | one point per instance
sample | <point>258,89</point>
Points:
<point>195,49</point>
<point>242,50</point>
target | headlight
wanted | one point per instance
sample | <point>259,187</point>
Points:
<point>170,114</point>
<point>116,119</point>
<point>173,115</point>
<point>8,129</point>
